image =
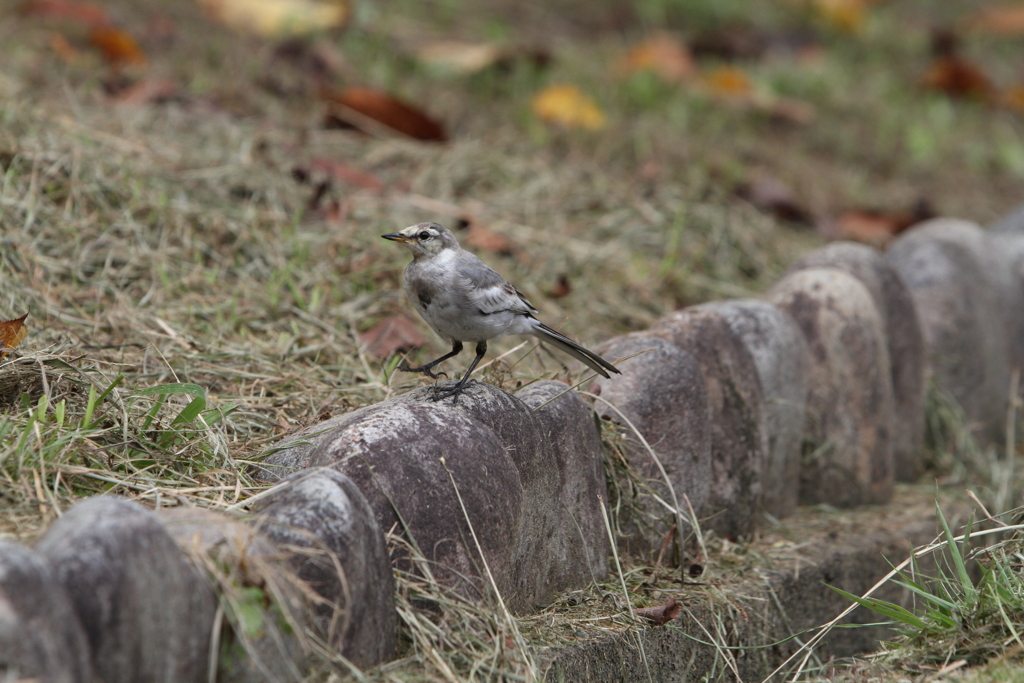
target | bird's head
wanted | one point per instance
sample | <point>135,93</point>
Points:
<point>424,239</point>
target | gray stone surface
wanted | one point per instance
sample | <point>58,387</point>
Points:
<point>498,452</point>
<point>781,356</point>
<point>564,546</point>
<point>662,393</point>
<point>1011,246</point>
<point>848,448</point>
<point>262,596</point>
<point>1011,222</point>
<point>40,635</point>
<point>904,339</point>
<point>147,612</point>
<point>736,408</point>
<point>959,284</point>
<point>338,550</point>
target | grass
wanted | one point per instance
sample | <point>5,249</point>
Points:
<point>189,308</point>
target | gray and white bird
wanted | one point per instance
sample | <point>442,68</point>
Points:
<point>465,300</point>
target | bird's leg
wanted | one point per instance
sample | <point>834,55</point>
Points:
<point>425,369</point>
<point>481,349</point>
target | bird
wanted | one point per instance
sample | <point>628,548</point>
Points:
<point>466,301</point>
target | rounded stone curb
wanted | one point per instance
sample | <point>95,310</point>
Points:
<point>736,414</point>
<point>904,338</point>
<point>252,573</point>
<point>393,450</point>
<point>147,612</point>
<point>780,353</point>
<point>499,453</point>
<point>40,635</point>
<point>960,286</point>
<point>336,547</point>
<point>848,449</point>
<point>563,543</point>
<point>1011,246</point>
<point>661,392</point>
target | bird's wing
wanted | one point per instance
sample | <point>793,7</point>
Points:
<point>488,291</point>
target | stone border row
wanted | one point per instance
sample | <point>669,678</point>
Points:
<point>735,410</point>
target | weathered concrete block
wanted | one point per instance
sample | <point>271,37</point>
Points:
<point>736,407</point>
<point>147,612</point>
<point>904,338</point>
<point>780,353</point>
<point>662,393</point>
<point>958,283</point>
<point>338,549</point>
<point>40,635</point>
<point>565,545</point>
<point>848,446</point>
<point>263,597</point>
<point>500,457</point>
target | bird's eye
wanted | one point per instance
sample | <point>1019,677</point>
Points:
<point>424,235</point>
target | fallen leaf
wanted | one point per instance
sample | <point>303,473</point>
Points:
<point>845,15</point>
<point>878,228</point>
<point>561,288</point>
<point>1000,20</point>
<point>278,18</point>
<point>775,197</point>
<point>566,105</point>
<point>116,46</point>
<point>12,332</point>
<point>464,58</point>
<point>460,57</point>
<point>952,74</point>
<point>353,106</point>
<point>479,236</point>
<point>661,615</point>
<point>393,333</point>
<point>346,174</point>
<point>663,54</point>
<point>728,81</point>
<point>88,13</point>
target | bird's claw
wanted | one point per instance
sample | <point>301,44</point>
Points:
<point>425,369</point>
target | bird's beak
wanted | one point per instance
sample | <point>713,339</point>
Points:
<point>396,237</point>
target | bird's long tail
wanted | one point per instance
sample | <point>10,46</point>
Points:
<point>563,343</point>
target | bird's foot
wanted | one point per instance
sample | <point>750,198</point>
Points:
<point>424,369</point>
<point>440,394</point>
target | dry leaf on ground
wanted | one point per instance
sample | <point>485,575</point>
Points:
<point>775,197</point>
<point>663,54</point>
<point>12,332</point>
<point>877,228</point>
<point>661,615</point>
<point>116,46</point>
<point>954,75</point>
<point>566,105</point>
<point>353,106</point>
<point>845,15</point>
<point>479,236</point>
<point>279,18</point>
<point>393,333</point>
